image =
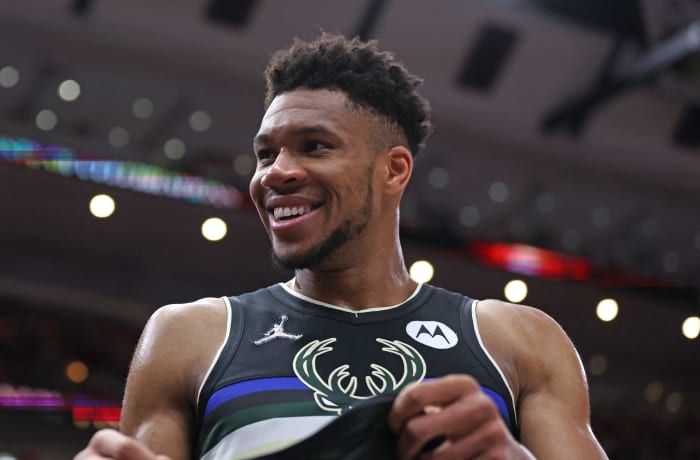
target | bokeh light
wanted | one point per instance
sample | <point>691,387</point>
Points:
<point>607,310</point>
<point>102,206</point>
<point>691,327</point>
<point>142,108</point>
<point>69,90</point>
<point>515,291</point>
<point>174,149</point>
<point>77,371</point>
<point>9,76</point>
<point>214,229</point>
<point>421,271</point>
<point>46,120</point>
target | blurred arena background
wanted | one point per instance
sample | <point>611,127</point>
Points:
<point>566,157</point>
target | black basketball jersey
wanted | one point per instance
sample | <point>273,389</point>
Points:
<point>291,364</point>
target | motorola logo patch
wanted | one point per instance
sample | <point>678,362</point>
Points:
<point>433,334</point>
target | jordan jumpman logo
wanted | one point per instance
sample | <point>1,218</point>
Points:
<point>276,331</point>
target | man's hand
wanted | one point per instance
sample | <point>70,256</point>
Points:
<point>106,444</point>
<point>454,413</point>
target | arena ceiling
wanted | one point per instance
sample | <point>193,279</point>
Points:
<point>545,136</point>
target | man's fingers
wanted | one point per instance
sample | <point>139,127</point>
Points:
<point>455,421</point>
<point>110,443</point>
<point>415,399</point>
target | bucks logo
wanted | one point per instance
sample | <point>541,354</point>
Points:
<point>338,392</point>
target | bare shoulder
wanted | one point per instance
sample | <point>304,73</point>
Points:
<point>170,321</point>
<point>517,323</point>
<point>176,324</point>
<point>525,341</point>
<point>185,335</point>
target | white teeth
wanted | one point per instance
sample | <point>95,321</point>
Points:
<point>290,211</point>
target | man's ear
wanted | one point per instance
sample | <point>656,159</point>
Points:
<point>399,167</point>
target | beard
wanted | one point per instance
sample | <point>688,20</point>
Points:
<point>347,231</point>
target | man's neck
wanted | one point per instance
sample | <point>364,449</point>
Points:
<point>359,287</point>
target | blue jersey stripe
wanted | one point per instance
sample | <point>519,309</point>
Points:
<point>239,389</point>
<point>499,401</point>
<point>236,390</point>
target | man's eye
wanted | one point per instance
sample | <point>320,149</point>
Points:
<point>264,155</point>
<point>313,146</point>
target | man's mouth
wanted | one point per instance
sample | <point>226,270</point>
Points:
<point>290,212</point>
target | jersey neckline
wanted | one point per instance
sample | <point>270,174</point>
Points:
<point>308,305</point>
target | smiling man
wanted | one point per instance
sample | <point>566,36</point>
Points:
<point>248,375</point>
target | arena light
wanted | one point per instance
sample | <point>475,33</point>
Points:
<point>140,177</point>
<point>674,401</point>
<point>515,291</point>
<point>102,206</point>
<point>142,108</point>
<point>69,90</point>
<point>46,120</point>
<point>439,178</point>
<point>691,327</point>
<point>9,76</point>
<point>77,371</point>
<point>200,121</point>
<point>174,148</point>
<point>118,137</point>
<point>85,411</point>
<point>498,192</point>
<point>653,392</point>
<point>607,310</point>
<point>421,271</point>
<point>598,365</point>
<point>214,229</point>
<point>529,260</point>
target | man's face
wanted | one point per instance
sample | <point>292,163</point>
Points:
<point>313,182</point>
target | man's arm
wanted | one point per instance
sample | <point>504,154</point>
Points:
<point>549,385</point>
<point>553,402</point>
<point>175,350</point>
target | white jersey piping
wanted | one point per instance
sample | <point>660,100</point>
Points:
<point>229,313</point>
<point>287,287</point>
<point>493,361</point>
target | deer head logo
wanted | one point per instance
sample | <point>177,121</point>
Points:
<point>338,392</point>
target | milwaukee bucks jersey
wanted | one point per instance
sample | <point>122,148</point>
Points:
<point>291,364</point>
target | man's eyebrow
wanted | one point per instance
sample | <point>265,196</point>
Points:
<point>313,129</point>
<point>310,129</point>
<point>260,138</point>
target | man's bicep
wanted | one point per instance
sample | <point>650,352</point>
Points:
<point>551,431</point>
<point>554,408</point>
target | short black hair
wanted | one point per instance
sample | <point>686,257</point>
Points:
<point>370,78</point>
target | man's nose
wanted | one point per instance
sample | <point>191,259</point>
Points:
<point>285,170</point>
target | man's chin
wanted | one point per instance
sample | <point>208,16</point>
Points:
<point>290,262</point>
<point>314,256</point>
<point>297,261</point>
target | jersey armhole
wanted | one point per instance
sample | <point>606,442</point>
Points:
<point>493,361</point>
<point>215,360</point>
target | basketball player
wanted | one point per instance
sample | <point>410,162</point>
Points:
<point>245,376</point>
